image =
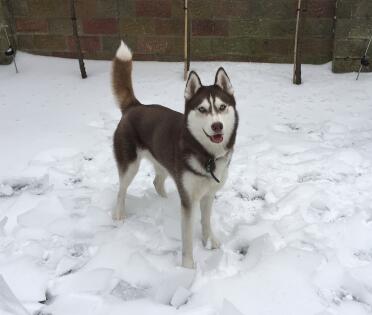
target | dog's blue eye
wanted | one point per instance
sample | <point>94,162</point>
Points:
<point>222,107</point>
<point>202,110</point>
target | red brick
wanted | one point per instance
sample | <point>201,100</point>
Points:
<point>48,8</point>
<point>143,57</point>
<point>209,28</point>
<point>169,26</point>
<point>85,8</point>
<point>32,25</point>
<point>154,8</point>
<point>25,41</point>
<point>151,45</point>
<point>100,26</point>
<point>88,43</point>
<point>321,8</point>
<point>49,42</point>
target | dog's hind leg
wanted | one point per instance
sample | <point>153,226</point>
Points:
<point>125,178</point>
<point>160,177</point>
<point>206,210</point>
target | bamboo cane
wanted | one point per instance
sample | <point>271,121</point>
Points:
<point>186,49</point>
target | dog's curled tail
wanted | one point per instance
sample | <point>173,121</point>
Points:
<point>122,78</point>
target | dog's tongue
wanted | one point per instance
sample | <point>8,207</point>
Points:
<point>217,138</point>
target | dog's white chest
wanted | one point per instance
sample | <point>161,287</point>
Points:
<point>198,186</point>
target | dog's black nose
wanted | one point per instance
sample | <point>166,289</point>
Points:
<point>217,127</point>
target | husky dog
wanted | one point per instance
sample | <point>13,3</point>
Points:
<point>194,148</point>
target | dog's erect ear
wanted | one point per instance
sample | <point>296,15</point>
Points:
<point>222,80</point>
<point>192,86</point>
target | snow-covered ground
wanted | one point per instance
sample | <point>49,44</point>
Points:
<point>295,218</point>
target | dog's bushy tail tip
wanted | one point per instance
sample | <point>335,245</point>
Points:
<point>122,78</point>
<point>123,53</point>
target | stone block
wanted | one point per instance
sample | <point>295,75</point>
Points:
<point>137,26</point>
<point>85,8</point>
<point>321,8</point>
<point>49,42</point>
<point>107,8</point>
<point>154,8</point>
<point>174,26</point>
<point>344,9</point>
<point>48,8</point>
<point>319,27</point>
<point>20,8</point>
<point>31,25</point>
<point>61,26</point>
<point>354,48</point>
<point>127,8</point>
<point>210,28</point>
<point>88,43</point>
<point>25,42</point>
<point>160,46</point>
<point>100,26</point>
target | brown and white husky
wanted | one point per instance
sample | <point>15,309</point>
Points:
<point>194,148</point>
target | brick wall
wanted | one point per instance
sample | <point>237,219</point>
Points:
<point>261,30</point>
<point>353,31</point>
<point>246,30</point>
<point>3,42</point>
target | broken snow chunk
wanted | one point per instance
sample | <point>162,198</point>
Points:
<point>6,190</point>
<point>43,214</point>
<point>164,291</point>
<point>2,226</point>
<point>127,292</point>
<point>69,264</point>
<point>36,186</point>
<point>258,248</point>
<point>9,304</point>
<point>213,261</point>
<point>25,273</point>
<point>229,309</point>
<point>93,282</point>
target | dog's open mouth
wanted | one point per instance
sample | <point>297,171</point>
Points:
<point>217,138</point>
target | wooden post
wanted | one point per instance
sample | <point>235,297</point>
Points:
<point>77,39</point>
<point>298,43</point>
<point>186,43</point>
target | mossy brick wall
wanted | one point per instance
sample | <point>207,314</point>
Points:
<point>246,30</point>
<point>353,31</point>
<point>4,20</point>
<point>261,30</point>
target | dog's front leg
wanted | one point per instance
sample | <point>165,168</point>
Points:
<point>187,237</point>
<point>206,210</point>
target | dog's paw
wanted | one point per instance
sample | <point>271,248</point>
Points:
<point>215,243</point>
<point>188,263</point>
<point>211,243</point>
<point>118,215</point>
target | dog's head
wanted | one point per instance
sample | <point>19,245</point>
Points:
<point>210,112</point>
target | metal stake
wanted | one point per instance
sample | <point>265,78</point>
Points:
<point>365,55</point>
<point>4,27</point>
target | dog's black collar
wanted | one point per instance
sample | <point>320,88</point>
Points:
<point>210,167</point>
